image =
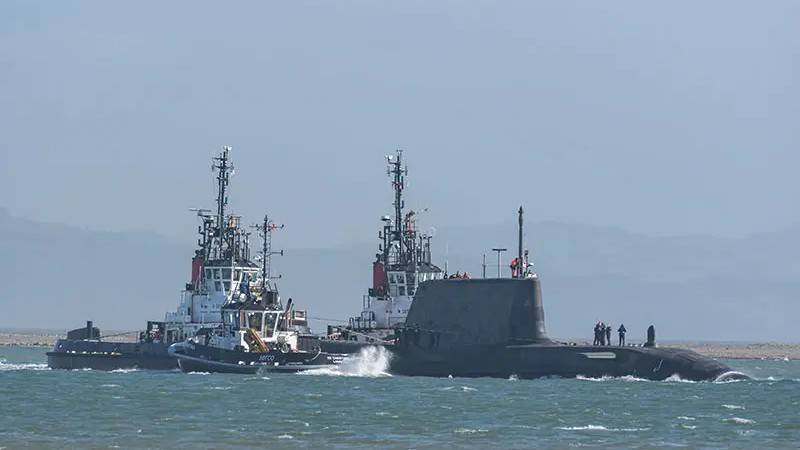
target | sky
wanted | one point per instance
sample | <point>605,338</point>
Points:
<point>663,118</point>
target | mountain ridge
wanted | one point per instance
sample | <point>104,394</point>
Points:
<point>691,287</point>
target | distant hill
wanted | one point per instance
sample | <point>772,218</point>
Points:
<point>691,287</point>
<point>56,276</point>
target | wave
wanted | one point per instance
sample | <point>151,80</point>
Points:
<point>463,388</point>
<point>7,366</point>
<point>600,428</point>
<point>675,378</point>
<point>731,376</point>
<point>732,407</point>
<point>740,421</point>
<point>469,430</point>
<point>124,370</point>
<point>727,377</point>
<point>610,378</point>
<point>371,362</point>
<point>257,378</point>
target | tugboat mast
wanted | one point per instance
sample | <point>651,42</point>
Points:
<point>224,168</point>
<point>398,172</point>
<point>265,230</point>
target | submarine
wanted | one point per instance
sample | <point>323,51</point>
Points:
<point>496,328</point>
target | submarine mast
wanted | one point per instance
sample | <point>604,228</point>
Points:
<point>520,262</point>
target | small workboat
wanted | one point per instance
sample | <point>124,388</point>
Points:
<point>256,335</point>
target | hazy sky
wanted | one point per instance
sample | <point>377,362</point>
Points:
<point>670,118</point>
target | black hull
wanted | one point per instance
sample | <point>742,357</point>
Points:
<point>96,355</point>
<point>551,360</point>
<point>109,362</point>
<point>202,358</point>
<point>495,328</point>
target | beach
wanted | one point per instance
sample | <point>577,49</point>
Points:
<point>48,338</point>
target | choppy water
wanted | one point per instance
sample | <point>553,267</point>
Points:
<point>360,406</point>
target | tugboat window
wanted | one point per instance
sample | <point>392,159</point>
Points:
<point>216,273</point>
<point>237,275</point>
<point>217,286</point>
<point>227,285</point>
<point>270,319</point>
<point>391,278</point>
<point>402,290</point>
<point>226,274</point>
<point>410,277</point>
<point>208,273</point>
<point>254,321</point>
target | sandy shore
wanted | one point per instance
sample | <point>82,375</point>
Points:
<point>26,339</point>
<point>46,339</point>
<point>719,350</point>
<point>742,350</point>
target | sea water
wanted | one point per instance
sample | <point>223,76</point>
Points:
<point>361,405</point>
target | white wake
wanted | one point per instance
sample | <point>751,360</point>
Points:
<point>7,366</point>
<point>370,362</point>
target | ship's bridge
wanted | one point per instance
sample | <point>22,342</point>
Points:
<point>388,309</point>
<point>221,281</point>
<point>228,278</point>
<point>404,281</point>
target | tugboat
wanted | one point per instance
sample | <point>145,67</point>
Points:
<point>402,264</point>
<point>220,264</point>
<point>496,328</point>
<point>256,335</point>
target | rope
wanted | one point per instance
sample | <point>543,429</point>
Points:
<point>371,337</point>
<point>118,334</point>
<point>328,320</point>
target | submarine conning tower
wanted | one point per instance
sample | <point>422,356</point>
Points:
<point>482,311</point>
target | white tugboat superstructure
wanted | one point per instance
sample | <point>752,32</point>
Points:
<point>222,268</point>
<point>403,262</point>
<point>222,272</point>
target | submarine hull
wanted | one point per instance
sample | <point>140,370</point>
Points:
<point>97,355</point>
<point>552,360</point>
<point>496,328</point>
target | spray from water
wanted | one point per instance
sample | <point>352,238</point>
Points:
<point>370,362</point>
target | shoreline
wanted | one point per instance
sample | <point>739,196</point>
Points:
<point>22,339</point>
<point>717,350</point>
<point>745,350</point>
